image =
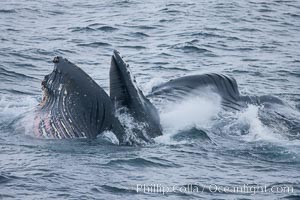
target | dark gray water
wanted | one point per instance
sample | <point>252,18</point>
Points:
<point>203,147</point>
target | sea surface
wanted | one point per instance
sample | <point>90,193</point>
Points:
<point>205,152</point>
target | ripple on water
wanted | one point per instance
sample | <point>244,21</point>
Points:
<point>188,48</point>
<point>139,34</point>
<point>115,189</point>
<point>137,47</point>
<point>94,27</point>
<point>4,179</point>
<point>191,134</point>
<point>94,44</point>
<point>143,27</point>
<point>142,162</point>
<point>107,28</point>
<point>7,73</point>
<point>267,153</point>
<point>7,11</point>
<point>293,15</point>
<point>8,178</point>
<point>81,29</point>
<point>292,197</point>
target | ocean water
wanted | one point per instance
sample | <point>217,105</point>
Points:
<point>205,152</point>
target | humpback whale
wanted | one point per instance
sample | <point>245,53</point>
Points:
<point>75,106</point>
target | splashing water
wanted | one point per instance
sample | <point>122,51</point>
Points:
<point>131,126</point>
<point>198,112</point>
<point>11,107</point>
<point>109,137</point>
<point>257,130</point>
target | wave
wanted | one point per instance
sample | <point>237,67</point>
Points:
<point>94,44</point>
<point>292,15</point>
<point>191,134</point>
<point>140,34</point>
<point>249,29</point>
<point>143,27</point>
<point>142,162</point>
<point>171,11</point>
<point>26,56</point>
<point>81,29</point>
<point>138,47</point>
<point>8,11</point>
<point>264,151</point>
<point>7,73</point>
<point>169,68</point>
<point>125,3</point>
<point>107,28</point>
<point>90,29</point>
<point>166,20</point>
<point>3,179</point>
<point>115,189</point>
<point>189,48</point>
<point>292,197</point>
<point>18,92</point>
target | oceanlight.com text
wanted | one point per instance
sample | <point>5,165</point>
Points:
<point>213,188</point>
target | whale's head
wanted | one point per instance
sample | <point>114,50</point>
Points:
<point>73,104</point>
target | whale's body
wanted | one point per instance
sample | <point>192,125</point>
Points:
<point>226,87</point>
<point>75,106</point>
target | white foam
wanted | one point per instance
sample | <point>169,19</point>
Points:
<point>196,111</point>
<point>147,87</point>
<point>20,110</point>
<point>10,107</point>
<point>109,136</point>
<point>130,125</point>
<point>257,130</point>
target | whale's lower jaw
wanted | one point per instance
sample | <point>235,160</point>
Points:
<point>47,126</point>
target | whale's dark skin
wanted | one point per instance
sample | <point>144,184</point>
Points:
<point>124,93</point>
<point>74,105</point>
<point>223,85</point>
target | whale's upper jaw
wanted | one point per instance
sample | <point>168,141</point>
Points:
<point>124,92</point>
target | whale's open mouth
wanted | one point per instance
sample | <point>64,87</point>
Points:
<point>45,92</point>
<point>45,96</point>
